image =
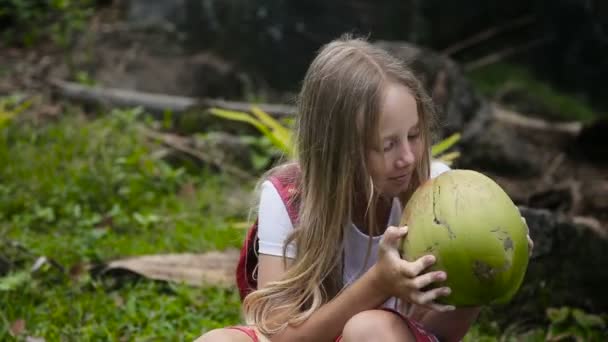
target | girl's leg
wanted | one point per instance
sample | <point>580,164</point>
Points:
<point>377,325</point>
<point>232,334</point>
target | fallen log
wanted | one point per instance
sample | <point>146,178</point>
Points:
<point>156,104</point>
<point>502,114</point>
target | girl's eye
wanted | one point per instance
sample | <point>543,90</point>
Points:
<point>388,145</point>
<point>413,136</point>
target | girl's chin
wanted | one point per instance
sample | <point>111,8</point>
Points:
<point>393,192</point>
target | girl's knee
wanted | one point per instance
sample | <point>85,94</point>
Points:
<point>223,335</point>
<point>213,335</point>
<point>376,325</point>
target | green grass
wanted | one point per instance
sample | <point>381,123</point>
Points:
<point>145,311</point>
<point>493,79</point>
<point>84,191</point>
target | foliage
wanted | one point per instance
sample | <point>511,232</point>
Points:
<point>26,22</point>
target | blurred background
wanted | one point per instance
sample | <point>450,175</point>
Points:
<point>130,149</point>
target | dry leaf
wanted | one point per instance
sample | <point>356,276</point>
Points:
<point>208,269</point>
<point>17,327</point>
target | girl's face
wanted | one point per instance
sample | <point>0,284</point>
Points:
<point>393,163</point>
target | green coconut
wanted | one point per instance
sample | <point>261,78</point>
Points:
<point>476,233</point>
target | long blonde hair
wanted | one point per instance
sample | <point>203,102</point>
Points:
<point>339,108</point>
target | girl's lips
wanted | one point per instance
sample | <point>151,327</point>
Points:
<point>401,178</point>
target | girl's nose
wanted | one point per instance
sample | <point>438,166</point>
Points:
<point>406,156</point>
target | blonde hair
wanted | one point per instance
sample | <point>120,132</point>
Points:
<point>339,108</point>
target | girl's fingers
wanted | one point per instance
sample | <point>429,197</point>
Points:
<point>530,242</point>
<point>413,269</point>
<point>526,224</point>
<point>530,245</point>
<point>427,278</point>
<point>428,297</point>
<point>440,307</point>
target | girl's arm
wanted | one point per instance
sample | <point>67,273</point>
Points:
<point>271,268</point>
<point>390,276</point>
<point>327,322</point>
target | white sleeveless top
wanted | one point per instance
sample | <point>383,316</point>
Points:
<point>274,225</point>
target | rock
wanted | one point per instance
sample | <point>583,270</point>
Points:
<point>501,150</point>
<point>157,13</point>
<point>155,62</point>
<point>542,225</point>
<point>568,267</point>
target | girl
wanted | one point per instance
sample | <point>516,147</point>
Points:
<point>329,267</point>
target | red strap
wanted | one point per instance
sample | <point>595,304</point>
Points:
<point>248,260</point>
<point>286,192</point>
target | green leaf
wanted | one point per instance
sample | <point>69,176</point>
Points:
<point>445,144</point>
<point>239,116</point>
<point>588,320</point>
<point>449,157</point>
<point>272,129</point>
<point>557,316</point>
<point>280,132</point>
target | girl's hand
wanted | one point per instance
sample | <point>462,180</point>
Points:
<point>403,279</point>
<point>530,242</point>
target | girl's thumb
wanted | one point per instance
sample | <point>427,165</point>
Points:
<point>392,235</point>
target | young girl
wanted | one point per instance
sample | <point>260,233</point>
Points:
<point>329,267</point>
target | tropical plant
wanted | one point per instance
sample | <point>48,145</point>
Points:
<point>574,324</point>
<point>281,136</point>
